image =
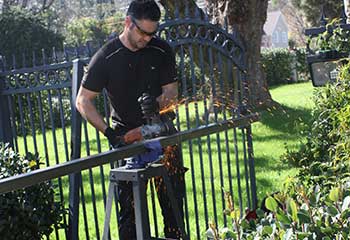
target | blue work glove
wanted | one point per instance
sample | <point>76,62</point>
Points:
<point>155,150</point>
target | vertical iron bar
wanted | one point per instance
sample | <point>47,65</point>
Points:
<point>63,124</point>
<point>42,125</point>
<point>231,111</point>
<point>83,205</point>
<point>246,170</point>
<point>31,120</point>
<point>23,128</point>
<point>13,118</point>
<point>201,162</point>
<point>199,140</point>
<point>54,139</point>
<point>185,94</point>
<point>251,166</point>
<point>5,118</point>
<point>238,170</point>
<point>91,177</point>
<point>223,103</point>
<point>154,211</point>
<point>75,179</point>
<point>211,169</point>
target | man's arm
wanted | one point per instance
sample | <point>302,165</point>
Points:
<point>168,96</point>
<point>87,109</point>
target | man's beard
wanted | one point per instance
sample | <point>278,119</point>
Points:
<point>137,44</point>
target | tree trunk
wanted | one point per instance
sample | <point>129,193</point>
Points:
<point>247,17</point>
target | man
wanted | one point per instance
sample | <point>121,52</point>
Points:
<point>128,66</point>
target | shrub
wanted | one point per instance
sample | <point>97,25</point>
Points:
<point>300,215</point>
<point>25,33</point>
<point>327,139</point>
<point>278,65</point>
<point>29,213</point>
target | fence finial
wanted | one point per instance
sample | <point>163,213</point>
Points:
<point>54,55</point>
<point>177,11</point>
<point>24,64</point>
<point>197,13</point>
<point>323,19</point>
<point>4,63</point>
<point>14,65</point>
<point>187,10</point>
<point>43,56</point>
<point>343,16</point>
<point>33,58</point>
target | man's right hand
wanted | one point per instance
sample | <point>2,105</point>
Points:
<point>114,140</point>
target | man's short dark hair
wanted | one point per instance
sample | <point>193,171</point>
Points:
<point>144,10</point>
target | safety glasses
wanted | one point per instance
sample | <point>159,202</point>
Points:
<point>141,31</point>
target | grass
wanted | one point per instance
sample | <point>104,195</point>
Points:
<point>279,127</point>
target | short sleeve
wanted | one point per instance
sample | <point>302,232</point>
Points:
<point>168,70</point>
<point>96,77</point>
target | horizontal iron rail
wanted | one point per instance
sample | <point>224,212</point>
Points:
<point>31,89</point>
<point>35,69</point>
<point>77,165</point>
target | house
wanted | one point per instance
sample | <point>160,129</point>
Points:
<point>275,31</point>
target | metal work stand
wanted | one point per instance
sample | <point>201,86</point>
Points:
<point>139,178</point>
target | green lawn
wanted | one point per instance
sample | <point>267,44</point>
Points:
<point>279,127</point>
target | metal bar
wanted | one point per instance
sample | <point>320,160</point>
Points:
<point>63,124</point>
<point>5,119</point>
<point>43,68</point>
<point>75,177</point>
<point>154,211</point>
<point>13,118</point>
<point>246,170</point>
<point>91,178</point>
<point>238,170</point>
<point>211,169</point>
<point>43,130</point>
<point>85,218</point>
<point>31,121</point>
<point>194,96</point>
<point>141,210</point>
<point>201,162</point>
<point>36,89</point>
<point>54,139</point>
<point>23,128</point>
<point>232,112</point>
<point>63,169</point>
<point>190,146</point>
<point>223,103</point>
<point>252,166</point>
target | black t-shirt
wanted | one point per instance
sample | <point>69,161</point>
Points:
<point>126,75</point>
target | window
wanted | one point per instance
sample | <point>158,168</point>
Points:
<point>275,37</point>
<point>284,37</point>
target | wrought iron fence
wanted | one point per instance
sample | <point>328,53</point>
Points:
<point>37,115</point>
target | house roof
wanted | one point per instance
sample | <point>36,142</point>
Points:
<point>271,21</point>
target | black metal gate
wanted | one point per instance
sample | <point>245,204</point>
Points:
<point>37,115</point>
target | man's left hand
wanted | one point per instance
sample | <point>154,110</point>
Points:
<point>149,105</point>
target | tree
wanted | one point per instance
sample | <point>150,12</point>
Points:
<point>34,5</point>
<point>248,18</point>
<point>312,9</point>
<point>25,33</point>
